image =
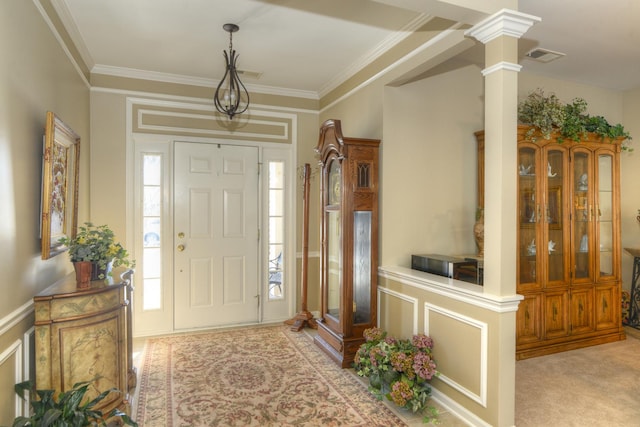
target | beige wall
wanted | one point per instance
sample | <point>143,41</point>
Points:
<point>36,76</point>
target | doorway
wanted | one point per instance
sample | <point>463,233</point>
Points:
<point>209,219</point>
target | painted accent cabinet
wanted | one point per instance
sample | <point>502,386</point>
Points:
<point>86,335</point>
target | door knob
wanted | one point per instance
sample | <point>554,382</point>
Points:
<point>180,248</point>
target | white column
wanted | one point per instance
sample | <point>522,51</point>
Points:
<point>499,33</point>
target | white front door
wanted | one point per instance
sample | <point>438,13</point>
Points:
<point>215,235</point>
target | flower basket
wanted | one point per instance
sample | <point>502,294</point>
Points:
<point>400,370</point>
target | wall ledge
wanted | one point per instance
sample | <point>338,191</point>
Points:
<point>451,288</point>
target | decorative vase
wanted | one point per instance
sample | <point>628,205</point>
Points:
<point>83,273</point>
<point>98,273</point>
<point>478,232</point>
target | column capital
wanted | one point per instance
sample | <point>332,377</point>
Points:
<point>505,22</point>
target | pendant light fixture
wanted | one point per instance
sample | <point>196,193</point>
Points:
<point>231,96</point>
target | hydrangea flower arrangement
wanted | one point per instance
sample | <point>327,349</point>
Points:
<point>400,370</point>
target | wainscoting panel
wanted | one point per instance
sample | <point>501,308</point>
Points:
<point>16,360</point>
<point>465,371</point>
<point>390,301</point>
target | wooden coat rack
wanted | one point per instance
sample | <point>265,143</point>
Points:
<point>304,317</point>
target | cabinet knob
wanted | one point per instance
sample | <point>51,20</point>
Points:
<point>180,248</point>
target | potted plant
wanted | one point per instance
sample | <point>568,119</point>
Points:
<point>68,409</point>
<point>547,115</point>
<point>400,370</point>
<point>97,245</point>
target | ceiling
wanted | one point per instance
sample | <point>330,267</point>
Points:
<point>309,47</point>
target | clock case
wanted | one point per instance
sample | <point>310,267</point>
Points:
<point>349,241</point>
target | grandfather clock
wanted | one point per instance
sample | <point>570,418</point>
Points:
<point>349,239</point>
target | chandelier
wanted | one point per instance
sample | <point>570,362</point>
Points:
<point>231,96</point>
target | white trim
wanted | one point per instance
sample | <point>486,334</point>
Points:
<point>451,288</point>
<point>505,22</point>
<point>69,23</point>
<point>382,48</point>
<point>194,100</point>
<point>507,66</point>
<point>407,298</point>
<point>63,45</point>
<point>247,119</point>
<point>432,42</point>
<point>458,410</point>
<point>15,349</point>
<point>484,348</point>
<point>133,73</point>
<point>16,316</point>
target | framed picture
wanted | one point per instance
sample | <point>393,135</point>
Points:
<point>61,158</point>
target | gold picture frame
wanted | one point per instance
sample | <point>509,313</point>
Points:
<point>61,158</point>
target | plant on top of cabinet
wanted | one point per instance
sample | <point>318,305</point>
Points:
<point>547,114</point>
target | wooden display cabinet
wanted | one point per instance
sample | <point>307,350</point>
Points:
<point>86,335</point>
<point>349,239</point>
<point>569,249</point>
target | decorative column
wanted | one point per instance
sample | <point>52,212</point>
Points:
<point>500,33</point>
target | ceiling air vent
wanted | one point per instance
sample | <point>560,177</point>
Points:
<point>250,74</point>
<point>544,55</point>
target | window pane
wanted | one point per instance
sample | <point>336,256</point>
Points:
<point>276,230</point>
<point>276,175</point>
<point>151,291</point>
<point>151,263</point>
<point>151,201</point>
<point>152,169</point>
<point>151,232</point>
<point>276,204</point>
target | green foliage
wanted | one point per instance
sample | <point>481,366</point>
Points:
<point>67,409</point>
<point>398,370</point>
<point>97,244</point>
<point>547,114</point>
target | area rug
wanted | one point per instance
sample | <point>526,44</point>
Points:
<point>266,376</point>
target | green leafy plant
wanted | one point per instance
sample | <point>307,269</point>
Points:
<point>97,244</point>
<point>547,114</point>
<point>67,409</point>
<point>400,370</point>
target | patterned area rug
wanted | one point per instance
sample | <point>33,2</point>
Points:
<point>265,376</point>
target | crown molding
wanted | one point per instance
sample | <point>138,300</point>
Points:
<point>132,73</point>
<point>383,47</point>
<point>61,8</point>
<point>505,22</point>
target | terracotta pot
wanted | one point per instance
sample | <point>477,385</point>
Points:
<point>83,273</point>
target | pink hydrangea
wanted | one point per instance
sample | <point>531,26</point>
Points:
<point>424,366</point>
<point>422,341</point>
<point>401,393</point>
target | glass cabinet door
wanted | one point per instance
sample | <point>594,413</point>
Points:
<point>333,249</point>
<point>554,224</point>
<point>604,216</point>
<point>582,215</point>
<point>528,216</point>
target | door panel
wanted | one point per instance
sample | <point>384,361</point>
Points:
<point>216,235</point>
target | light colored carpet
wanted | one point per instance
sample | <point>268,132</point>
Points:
<point>593,386</point>
<point>265,376</point>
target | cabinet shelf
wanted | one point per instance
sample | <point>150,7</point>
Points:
<point>562,288</point>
